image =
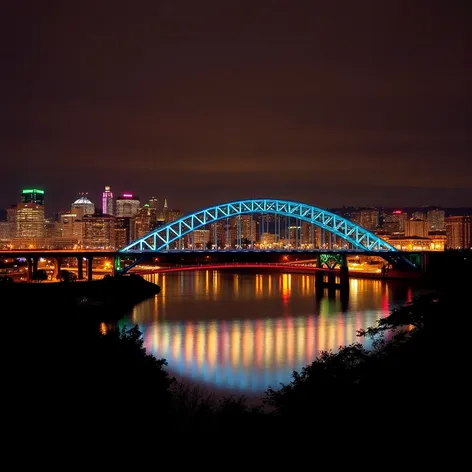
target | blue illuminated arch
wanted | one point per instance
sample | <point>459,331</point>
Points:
<point>161,238</point>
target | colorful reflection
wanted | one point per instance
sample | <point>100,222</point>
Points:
<point>243,332</point>
<point>250,354</point>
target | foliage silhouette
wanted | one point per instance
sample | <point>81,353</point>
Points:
<point>66,276</point>
<point>81,376</point>
<point>397,372</point>
<point>39,275</point>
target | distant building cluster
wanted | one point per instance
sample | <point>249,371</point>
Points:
<point>119,220</point>
<point>114,224</point>
<point>420,230</point>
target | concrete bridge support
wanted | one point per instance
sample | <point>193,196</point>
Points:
<point>116,265</point>
<point>57,267</point>
<point>80,268</point>
<point>319,279</point>
<point>89,268</point>
<point>32,266</point>
<point>331,278</point>
<point>344,276</point>
<point>326,276</point>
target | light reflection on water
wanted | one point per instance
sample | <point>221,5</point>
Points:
<point>243,332</point>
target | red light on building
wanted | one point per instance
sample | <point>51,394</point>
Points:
<point>397,212</point>
<point>127,195</point>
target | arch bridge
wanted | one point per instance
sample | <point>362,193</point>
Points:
<point>170,235</point>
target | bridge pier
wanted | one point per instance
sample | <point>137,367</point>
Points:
<point>89,268</point>
<point>80,268</point>
<point>32,266</point>
<point>344,275</point>
<point>323,278</point>
<point>331,276</point>
<point>322,283</point>
<point>326,277</point>
<point>116,265</point>
<point>57,267</point>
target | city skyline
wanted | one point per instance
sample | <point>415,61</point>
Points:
<point>161,200</point>
<point>352,103</point>
<point>130,223</point>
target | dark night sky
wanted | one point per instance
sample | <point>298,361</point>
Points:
<point>328,102</point>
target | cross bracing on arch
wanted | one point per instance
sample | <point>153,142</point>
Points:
<point>160,238</point>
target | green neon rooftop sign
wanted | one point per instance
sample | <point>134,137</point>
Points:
<point>32,190</point>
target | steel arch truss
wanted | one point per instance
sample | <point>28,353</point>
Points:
<point>161,238</point>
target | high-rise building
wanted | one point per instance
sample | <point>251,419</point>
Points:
<point>248,229</point>
<point>127,205</point>
<point>153,204</point>
<point>218,233</point>
<point>123,231</point>
<point>308,235</point>
<point>435,220</point>
<point>170,215</point>
<point>459,232</point>
<point>82,206</point>
<point>5,231</point>
<point>143,221</point>
<point>395,222</point>
<point>11,214</point>
<point>107,201</point>
<point>51,228</point>
<point>173,215</point>
<point>199,238</point>
<point>32,195</point>
<point>165,211</point>
<point>418,215</point>
<point>367,218</point>
<point>66,225</point>
<point>416,227</point>
<point>98,231</point>
<point>11,220</point>
<point>30,220</point>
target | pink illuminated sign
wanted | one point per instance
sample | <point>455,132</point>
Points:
<point>128,195</point>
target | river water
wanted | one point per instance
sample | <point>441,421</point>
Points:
<point>238,333</point>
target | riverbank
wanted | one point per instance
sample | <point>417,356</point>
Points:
<point>106,299</point>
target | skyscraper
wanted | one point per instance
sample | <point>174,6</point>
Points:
<point>66,225</point>
<point>99,231</point>
<point>143,221</point>
<point>153,204</point>
<point>127,205</point>
<point>30,214</point>
<point>107,201</point>
<point>32,195</point>
<point>123,231</point>
<point>165,211</point>
<point>82,206</point>
<point>30,220</point>
<point>368,218</point>
<point>459,232</point>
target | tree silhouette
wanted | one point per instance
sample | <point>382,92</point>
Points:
<point>40,275</point>
<point>66,276</point>
<point>400,369</point>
